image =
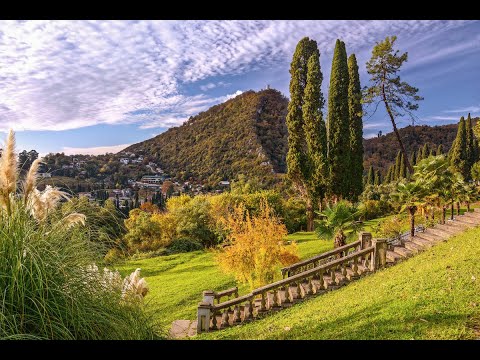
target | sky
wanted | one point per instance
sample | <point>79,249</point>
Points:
<point>98,86</point>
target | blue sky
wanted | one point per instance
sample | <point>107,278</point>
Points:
<point>97,86</point>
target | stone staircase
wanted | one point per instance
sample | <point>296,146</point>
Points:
<point>432,236</point>
<point>316,276</point>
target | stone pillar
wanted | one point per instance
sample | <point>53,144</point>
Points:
<point>366,239</point>
<point>203,317</point>
<point>208,296</point>
<point>380,254</point>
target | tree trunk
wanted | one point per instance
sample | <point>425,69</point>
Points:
<point>451,208</point>
<point>458,208</point>
<point>309,215</point>
<point>468,206</point>
<point>433,213</point>
<point>397,134</point>
<point>339,241</point>
<point>412,210</point>
<point>444,213</point>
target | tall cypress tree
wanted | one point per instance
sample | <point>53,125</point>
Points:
<point>315,133</point>
<point>300,162</point>
<point>425,151</point>
<point>398,165</point>
<point>472,146</point>
<point>356,128</point>
<point>390,172</point>
<point>338,135</point>
<point>371,176</point>
<point>458,152</point>
<point>413,159</point>
<point>377,180</point>
<point>440,149</point>
<point>403,168</point>
<point>433,152</point>
<point>419,155</point>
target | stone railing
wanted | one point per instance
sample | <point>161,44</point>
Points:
<point>218,295</point>
<point>400,239</point>
<point>268,297</point>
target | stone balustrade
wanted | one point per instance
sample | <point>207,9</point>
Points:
<point>369,253</point>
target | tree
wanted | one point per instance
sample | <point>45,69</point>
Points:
<point>440,149</point>
<point>306,140</point>
<point>458,153</point>
<point>397,96</point>
<point>472,145</point>
<point>425,151</point>
<point>390,172</point>
<point>338,124</point>
<point>402,174</point>
<point>410,195</point>
<point>337,221</point>
<point>356,128</point>
<point>377,180</point>
<point>255,246</point>
<point>398,165</point>
<point>475,172</point>
<point>371,176</point>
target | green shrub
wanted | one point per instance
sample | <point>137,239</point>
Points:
<point>183,245</point>
<point>392,227</point>
<point>371,209</point>
<point>294,214</point>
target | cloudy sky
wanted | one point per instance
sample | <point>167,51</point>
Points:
<point>97,86</point>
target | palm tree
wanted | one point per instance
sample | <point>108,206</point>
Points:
<point>411,196</point>
<point>469,195</point>
<point>336,221</point>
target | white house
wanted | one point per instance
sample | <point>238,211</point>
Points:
<point>125,161</point>
<point>45,175</point>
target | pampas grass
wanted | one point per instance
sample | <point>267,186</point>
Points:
<point>46,288</point>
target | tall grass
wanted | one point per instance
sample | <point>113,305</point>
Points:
<point>46,289</point>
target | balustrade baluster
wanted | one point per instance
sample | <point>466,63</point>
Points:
<point>344,269</point>
<point>214,320</point>
<point>332,275</point>
<point>263,303</point>
<point>237,316</point>
<point>249,307</point>
<point>276,298</point>
<point>300,291</point>
<point>311,287</point>
<point>355,266</point>
<point>322,282</point>
<point>225,318</point>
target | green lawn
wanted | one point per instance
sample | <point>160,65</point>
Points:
<point>434,295</point>
<point>176,281</point>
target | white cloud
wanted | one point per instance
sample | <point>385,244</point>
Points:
<point>58,75</point>
<point>442,118</point>
<point>94,150</point>
<point>469,109</point>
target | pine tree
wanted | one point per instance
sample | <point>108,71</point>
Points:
<point>306,144</point>
<point>458,152</point>
<point>440,149</point>
<point>398,165</point>
<point>371,176</point>
<point>425,151</point>
<point>338,135</point>
<point>356,128</point>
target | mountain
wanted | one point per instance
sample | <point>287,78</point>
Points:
<point>380,152</point>
<point>244,135</point>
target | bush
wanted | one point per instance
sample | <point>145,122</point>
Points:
<point>392,227</point>
<point>294,214</point>
<point>113,255</point>
<point>183,245</point>
<point>48,291</point>
<point>371,209</point>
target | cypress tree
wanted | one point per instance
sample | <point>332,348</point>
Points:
<point>458,152</point>
<point>338,135</point>
<point>398,165</point>
<point>471,144</point>
<point>432,152</point>
<point>377,178</point>
<point>440,149</point>
<point>303,137</point>
<point>390,172</point>
<point>371,176</point>
<point>419,155</point>
<point>315,132</point>
<point>403,168</point>
<point>356,128</point>
<point>413,159</point>
<point>425,151</point>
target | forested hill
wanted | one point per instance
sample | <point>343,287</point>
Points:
<point>380,152</point>
<point>245,135</point>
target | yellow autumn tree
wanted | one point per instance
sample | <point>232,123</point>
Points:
<point>255,245</point>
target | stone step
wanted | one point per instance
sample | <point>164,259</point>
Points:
<point>474,216</point>
<point>404,252</point>
<point>415,248</point>
<point>461,226</point>
<point>393,256</point>
<point>428,237</point>
<point>466,220</point>
<point>422,242</point>
<point>448,229</point>
<point>441,234</point>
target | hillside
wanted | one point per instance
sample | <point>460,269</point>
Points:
<point>245,135</point>
<point>434,295</point>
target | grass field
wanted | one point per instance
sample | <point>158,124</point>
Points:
<point>176,281</point>
<point>434,295</point>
